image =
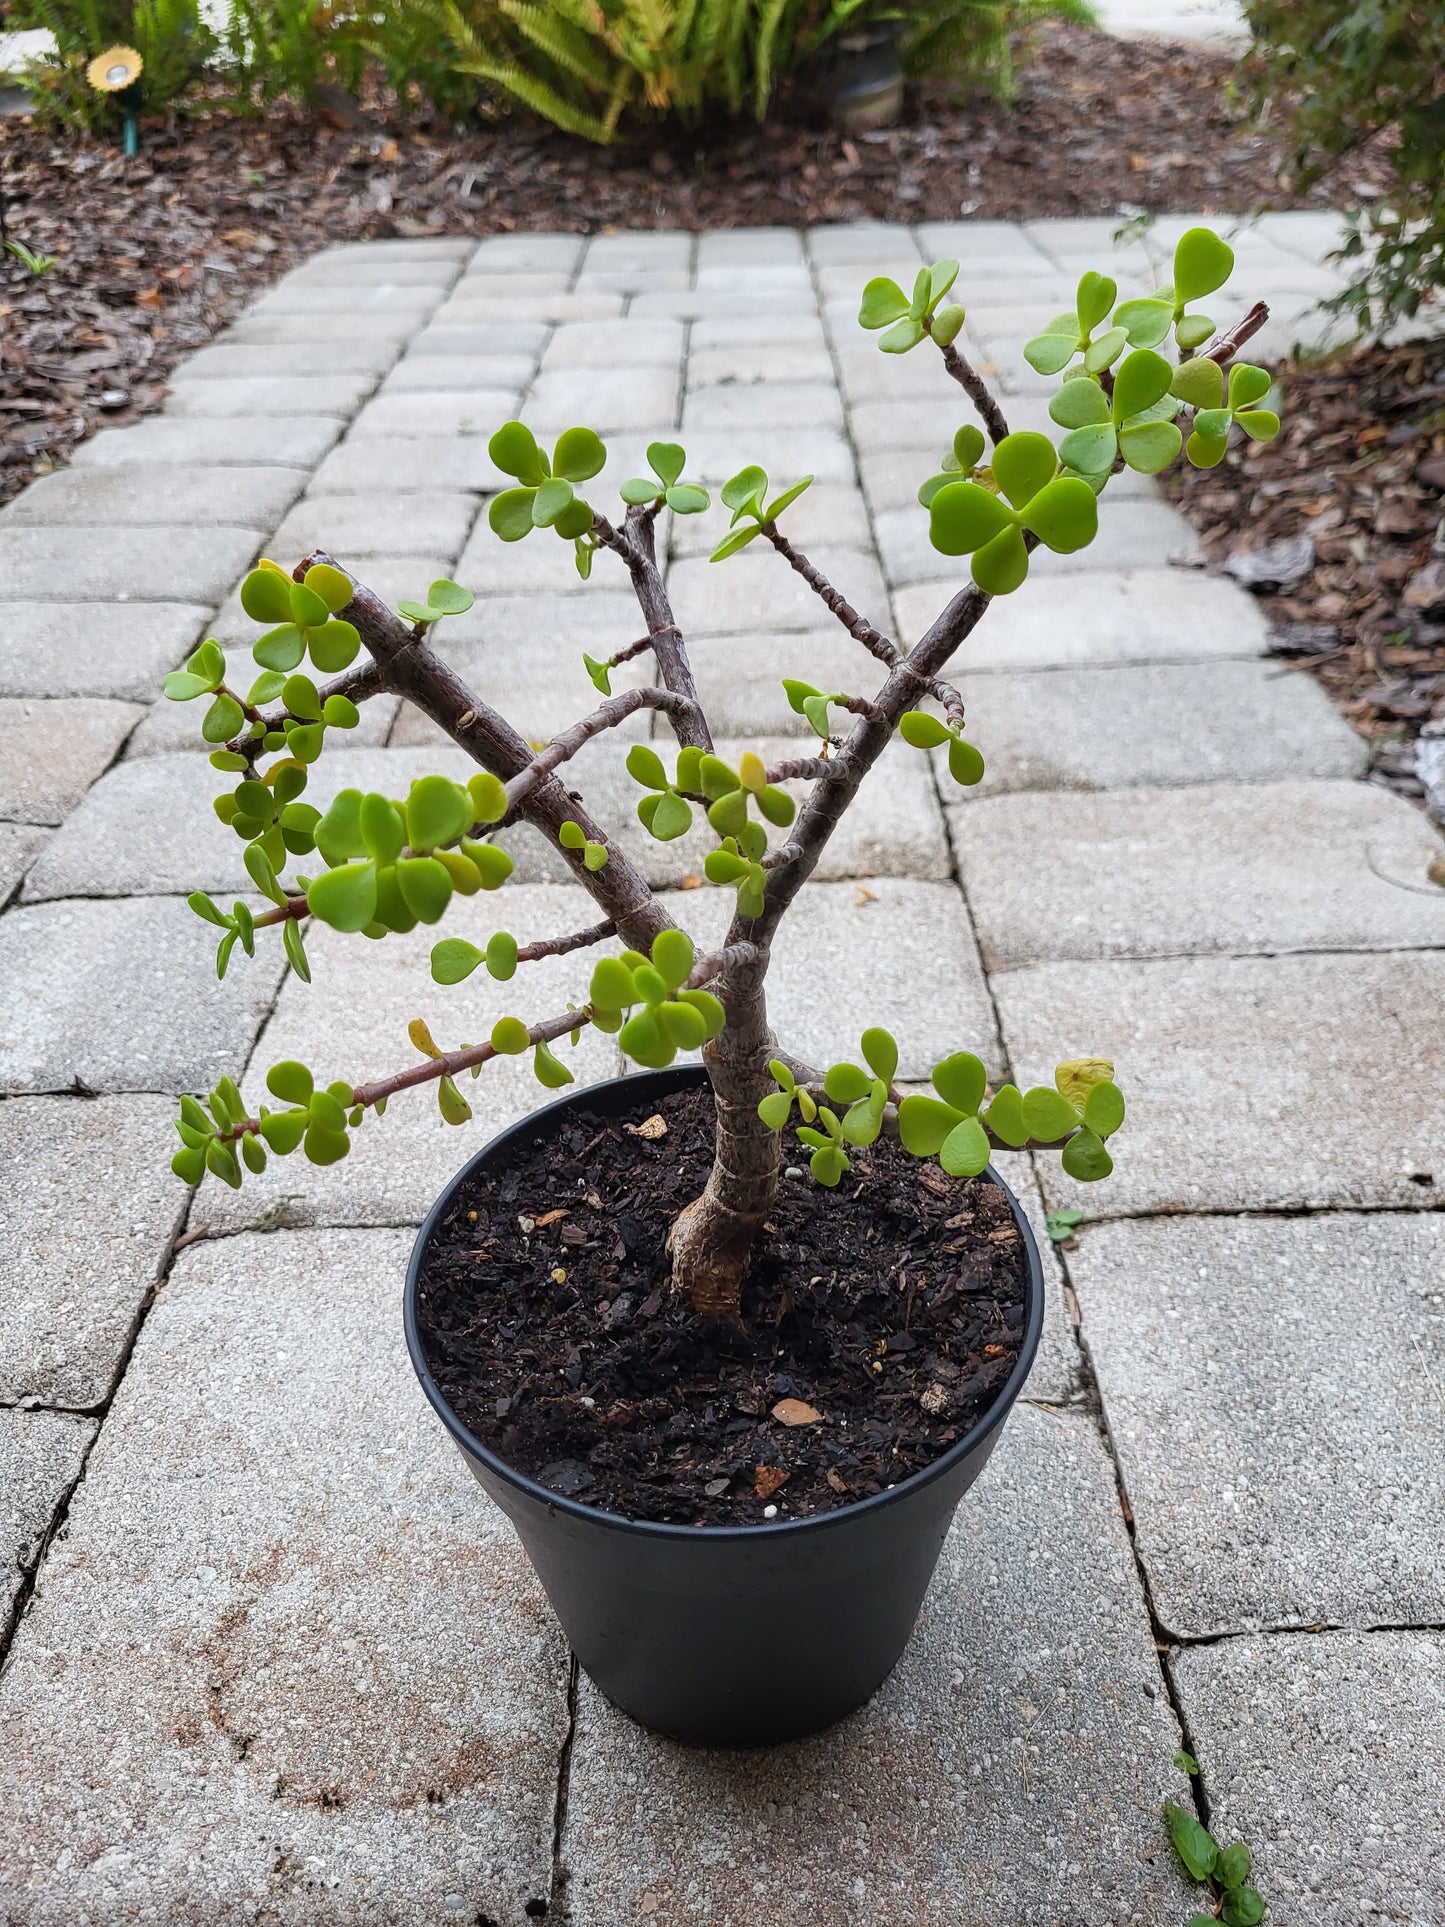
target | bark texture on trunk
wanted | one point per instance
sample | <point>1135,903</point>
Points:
<point>713,1238</point>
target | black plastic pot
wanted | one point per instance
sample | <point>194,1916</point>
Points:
<point>727,1635</point>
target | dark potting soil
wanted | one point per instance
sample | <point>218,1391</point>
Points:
<point>891,1307</point>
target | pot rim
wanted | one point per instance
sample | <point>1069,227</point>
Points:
<point>681,1077</point>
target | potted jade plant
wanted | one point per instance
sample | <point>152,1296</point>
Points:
<point>727,1341</point>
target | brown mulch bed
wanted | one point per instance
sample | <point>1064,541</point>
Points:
<point>1357,479</point>
<point>879,1322</point>
<point>154,255</point>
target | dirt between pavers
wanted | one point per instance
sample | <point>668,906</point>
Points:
<point>153,256</point>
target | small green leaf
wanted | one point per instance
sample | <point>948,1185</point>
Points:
<point>1232,1869</point>
<point>1200,383</point>
<point>1105,351</point>
<point>1090,450</point>
<point>687,499</point>
<point>902,336</point>
<point>549,1070</point>
<point>775,1109</point>
<point>1142,379</point>
<point>291,1082</point>
<point>514,450</point>
<point>510,514</point>
<point>941,277</point>
<point>964,517</point>
<point>1005,1116</point>
<point>1000,566</point>
<point>333,645</point>
<point>1194,1845</point>
<point>1193,331</point>
<point>501,955</point>
<point>437,811</point>
<point>673,957</point>
<point>946,324</point>
<point>786,499</point>
<point>182,687</point>
<point>883,302</point>
<point>880,1053</point>
<point>1048,1115</point>
<point>510,1037</point>
<point>280,649</point>
<point>920,729</point>
<point>580,454</point>
<point>964,1152</point>
<point>1096,296</point>
<point>454,960</point>
<point>960,1080</point>
<point>1061,1225</point>
<point>639,491</point>
<point>1149,447</point>
<point>223,720</point>
<point>1023,464</point>
<point>1185,1762</point>
<point>671,818</point>
<point>612,987</point>
<point>294,946</point>
<point>1085,1159</point>
<point>1243,1907</point>
<point>846,1084</point>
<point>924,1123</point>
<point>730,544</point>
<point>266,596</point>
<point>1202,263</point>
<point>1104,1109</point>
<point>344,897</point>
<point>551,501</point>
<point>666,460</point>
<point>1145,322</point>
<point>644,766</point>
<point>1064,515</point>
<point>1080,403</point>
<point>745,490</point>
<point>425,886</point>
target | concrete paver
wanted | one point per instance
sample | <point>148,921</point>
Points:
<point>1254,1083</point>
<point>175,1737</point>
<point>1269,1385</point>
<point>116,649</point>
<point>41,1455</point>
<point>91,1209</point>
<point>51,753</point>
<point>122,565</point>
<point>1326,1753</point>
<point>1108,727</point>
<point>1224,869</point>
<point>123,997</point>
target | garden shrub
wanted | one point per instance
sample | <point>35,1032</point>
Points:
<point>594,66</point>
<point>172,37</point>
<point>1348,75</point>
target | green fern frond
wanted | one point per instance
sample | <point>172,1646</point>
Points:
<point>542,99</point>
<point>563,42</point>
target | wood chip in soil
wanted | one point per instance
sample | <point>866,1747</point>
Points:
<point>1356,477</point>
<point>892,1306</point>
<point>155,255</point>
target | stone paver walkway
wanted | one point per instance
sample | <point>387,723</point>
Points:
<point>271,1656</point>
